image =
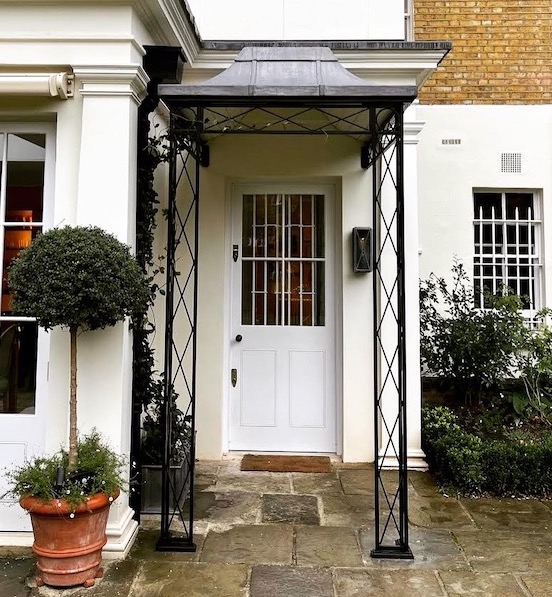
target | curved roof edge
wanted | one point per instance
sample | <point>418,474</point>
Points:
<point>284,72</point>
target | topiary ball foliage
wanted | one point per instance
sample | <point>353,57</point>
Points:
<point>79,277</point>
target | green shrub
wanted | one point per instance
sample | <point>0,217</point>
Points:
<point>470,349</point>
<point>520,464</point>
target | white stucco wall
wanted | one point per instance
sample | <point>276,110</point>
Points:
<point>299,19</point>
<point>447,175</point>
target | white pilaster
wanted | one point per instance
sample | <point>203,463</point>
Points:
<point>106,197</point>
<point>416,457</point>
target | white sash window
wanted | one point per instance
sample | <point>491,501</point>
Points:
<point>507,247</point>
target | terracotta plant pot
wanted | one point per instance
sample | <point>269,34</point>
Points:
<point>68,548</point>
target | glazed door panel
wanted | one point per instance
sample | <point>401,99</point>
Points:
<point>282,329</point>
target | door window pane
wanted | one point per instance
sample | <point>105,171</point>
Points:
<point>283,277</point>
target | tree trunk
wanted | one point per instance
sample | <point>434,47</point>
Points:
<point>73,402</point>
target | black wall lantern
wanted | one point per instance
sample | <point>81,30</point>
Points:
<point>362,250</point>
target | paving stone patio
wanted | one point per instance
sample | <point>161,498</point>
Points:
<point>310,535</point>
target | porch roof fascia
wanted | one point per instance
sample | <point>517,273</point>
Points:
<point>403,63</point>
<point>283,74</point>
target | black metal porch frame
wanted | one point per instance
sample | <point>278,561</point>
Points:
<point>191,127</point>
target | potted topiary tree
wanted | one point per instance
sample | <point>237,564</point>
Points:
<point>80,278</point>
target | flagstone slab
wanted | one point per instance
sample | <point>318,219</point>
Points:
<point>326,546</point>
<point>362,482</point>
<point>386,583</point>
<point>315,484</point>
<point>13,573</point>
<point>227,508</point>
<point>144,548</point>
<point>512,514</point>
<point>460,584</point>
<point>504,551</point>
<point>254,482</point>
<point>193,580</point>
<point>250,544</point>
<point>433,549</point>
<point>438,512</point>
<point>297,509</point>
<point>341,510</point>
<point>540,585</point>
<point>290,581</point>
<point>423,483</point>
<point>357,481</point>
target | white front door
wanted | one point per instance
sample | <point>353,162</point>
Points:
<point>25,198</point>
<point>283,390</point>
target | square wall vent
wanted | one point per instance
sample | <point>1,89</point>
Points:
<point>510,162</point>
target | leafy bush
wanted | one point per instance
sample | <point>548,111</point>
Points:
<point>468,464</point>
<point>534,364</point>
<point>98,470</point>
<point>471,349</point>
<point>81,278</point>
<point>153,438</point>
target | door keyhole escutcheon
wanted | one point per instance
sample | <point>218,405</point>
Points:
<point>234,377</point>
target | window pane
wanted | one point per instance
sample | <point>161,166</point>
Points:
<point>1,153</point>
<point>18,344</point>
<point>247,307</point>
<point>519,206</point>
<point>25,179</point>
<point>247,226</point>
<point>282,283</point>
<point>15,239</point>
<point>320,249</point>
<point>487,205</point>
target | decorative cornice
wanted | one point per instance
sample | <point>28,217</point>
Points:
<point>112,80</point>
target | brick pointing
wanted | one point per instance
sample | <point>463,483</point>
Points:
<point>502,50</point>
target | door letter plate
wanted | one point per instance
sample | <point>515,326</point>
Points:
<point>235,252</point>
<point>234,377</point>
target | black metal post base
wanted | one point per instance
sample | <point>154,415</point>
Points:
<point>392,552</point>
<point>173,544</point>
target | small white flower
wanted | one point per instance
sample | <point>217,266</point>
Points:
<point>67,491</point>
<point>59,504</point>
<point>42,466</point>
<point>72,515</point>
<point>110,499</point>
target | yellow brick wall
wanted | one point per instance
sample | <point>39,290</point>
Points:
<point>502,50</point>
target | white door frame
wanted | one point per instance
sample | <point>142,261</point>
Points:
<point>337,248</point>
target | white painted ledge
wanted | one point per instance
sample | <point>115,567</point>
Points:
<point>415,461</point>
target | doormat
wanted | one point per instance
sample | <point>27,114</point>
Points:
<point>286,464</point>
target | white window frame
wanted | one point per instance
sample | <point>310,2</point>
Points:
<point>497,255</point>
<point>47,129</point>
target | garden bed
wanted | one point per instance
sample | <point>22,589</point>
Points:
<point>487,451</point>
